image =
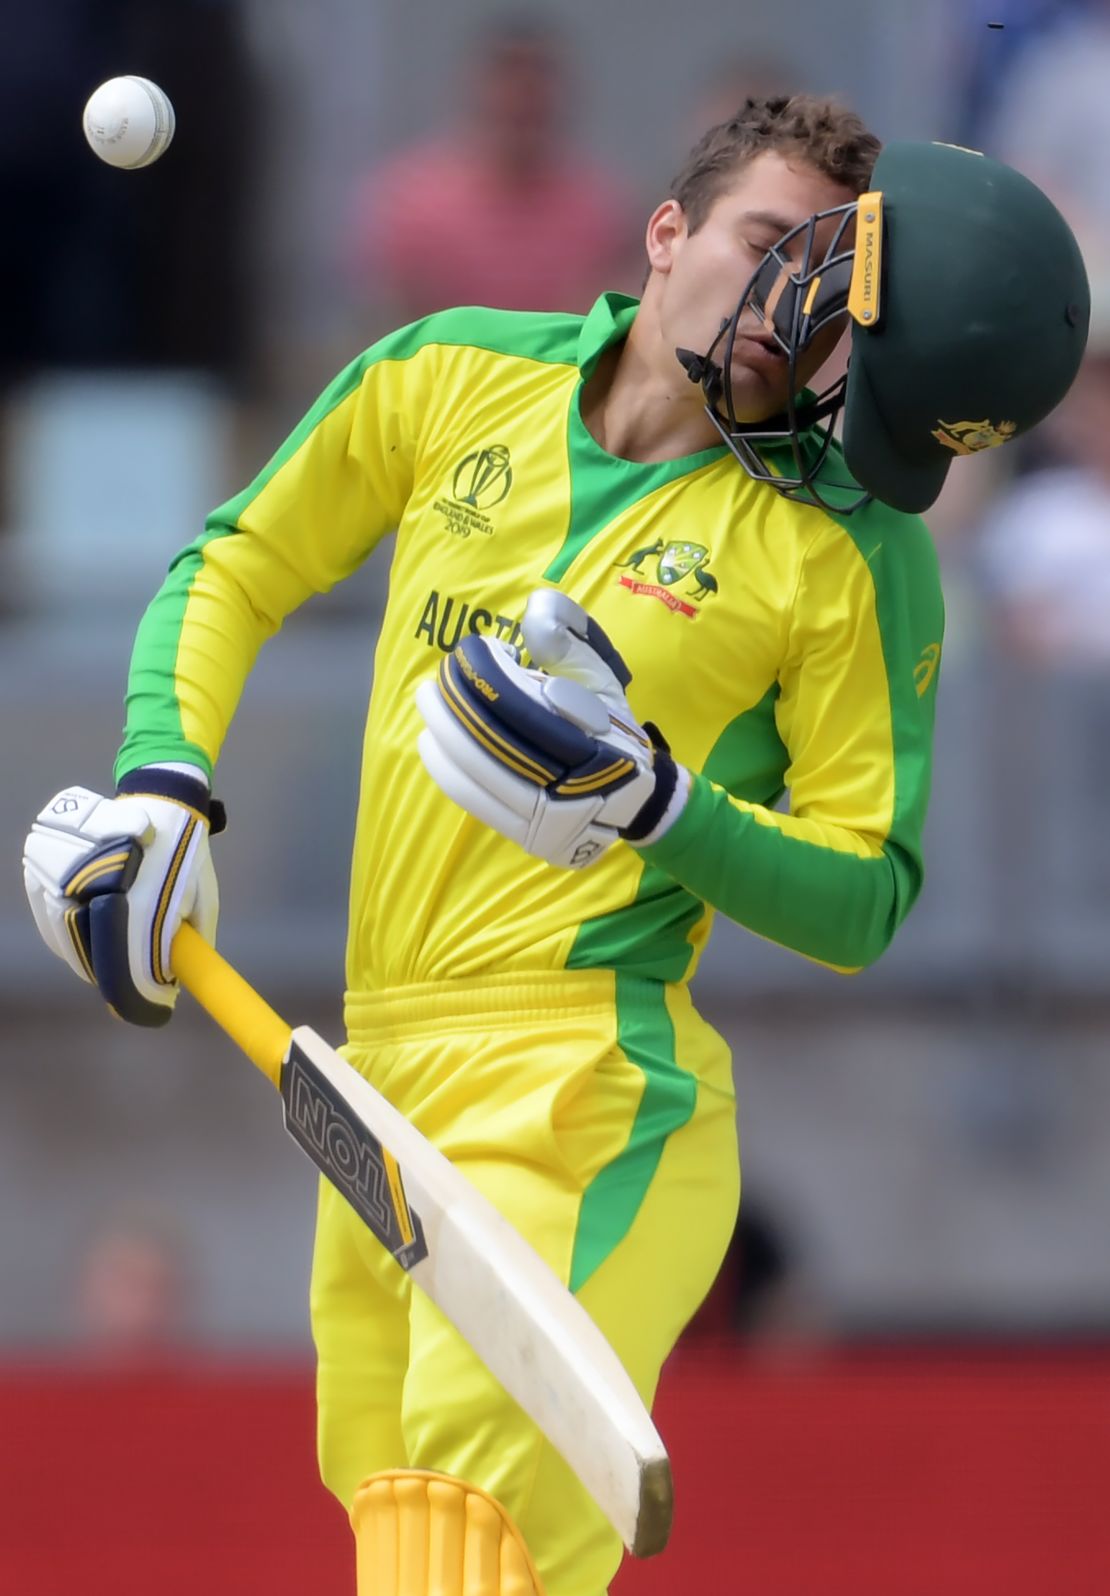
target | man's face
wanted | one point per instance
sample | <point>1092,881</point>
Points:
<point>519,100</point>
<point>705,273</point>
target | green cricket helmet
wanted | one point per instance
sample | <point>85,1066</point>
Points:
<point>969,306</point>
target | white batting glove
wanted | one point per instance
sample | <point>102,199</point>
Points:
<point>110,880</point>
<point>551,758</point>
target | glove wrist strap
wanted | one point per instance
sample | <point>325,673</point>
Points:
<point>667,798</point>
<point>175,785</point>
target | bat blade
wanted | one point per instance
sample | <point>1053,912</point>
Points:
<point>520,1319</point>
<point>528,1329</point>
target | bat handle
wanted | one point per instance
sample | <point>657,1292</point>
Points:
<point>234,1005</point>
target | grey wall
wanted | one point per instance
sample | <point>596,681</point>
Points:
<point>642,64</point>
<point>346,83</point>
<point>934,1134</point>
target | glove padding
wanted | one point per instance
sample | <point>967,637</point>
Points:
<point>111,879</point>
<point>555,762</point>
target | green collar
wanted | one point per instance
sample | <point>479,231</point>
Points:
<point>607,323</point>
<point>609,320</point>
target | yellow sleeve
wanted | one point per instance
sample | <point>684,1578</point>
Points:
<point>331,492</point>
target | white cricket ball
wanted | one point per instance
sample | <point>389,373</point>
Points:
<point>128,121</point>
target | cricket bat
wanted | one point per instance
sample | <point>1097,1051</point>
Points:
<point>524,1324</point>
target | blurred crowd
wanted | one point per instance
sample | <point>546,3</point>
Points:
<point>499,201</point>
<point>1036,531</point>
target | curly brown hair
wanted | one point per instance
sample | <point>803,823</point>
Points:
<point>821,132</point>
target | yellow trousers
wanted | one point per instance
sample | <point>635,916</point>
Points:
<point>596,1111</point>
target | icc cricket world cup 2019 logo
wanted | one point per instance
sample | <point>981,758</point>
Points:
<point>483,478</point>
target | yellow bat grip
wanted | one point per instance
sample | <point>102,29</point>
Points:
<point>234,1005</point>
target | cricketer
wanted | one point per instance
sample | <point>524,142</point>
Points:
<point>639,592</point>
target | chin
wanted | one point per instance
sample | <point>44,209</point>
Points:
<point>754,398</point>
<point>751,411</point>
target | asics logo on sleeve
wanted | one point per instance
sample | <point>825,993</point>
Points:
<point>926,668</point>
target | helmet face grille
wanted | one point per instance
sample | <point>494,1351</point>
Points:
<point>795,292</point>
<point>984,314</point>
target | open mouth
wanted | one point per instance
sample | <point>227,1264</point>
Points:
<point>760,351</point>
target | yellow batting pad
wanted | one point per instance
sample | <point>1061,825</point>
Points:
<point>418,1533</point>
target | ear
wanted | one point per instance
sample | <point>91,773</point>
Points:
<point>666,230</point>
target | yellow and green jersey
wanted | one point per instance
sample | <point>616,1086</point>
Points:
<point>779,647</point>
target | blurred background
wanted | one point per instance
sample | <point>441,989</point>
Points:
<point>900,1382</point>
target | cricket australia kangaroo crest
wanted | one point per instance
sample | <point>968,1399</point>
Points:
<point>675,564</point>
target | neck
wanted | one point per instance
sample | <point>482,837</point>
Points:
<point>639,404</point>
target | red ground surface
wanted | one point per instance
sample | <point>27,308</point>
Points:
<point>891,1474</point>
